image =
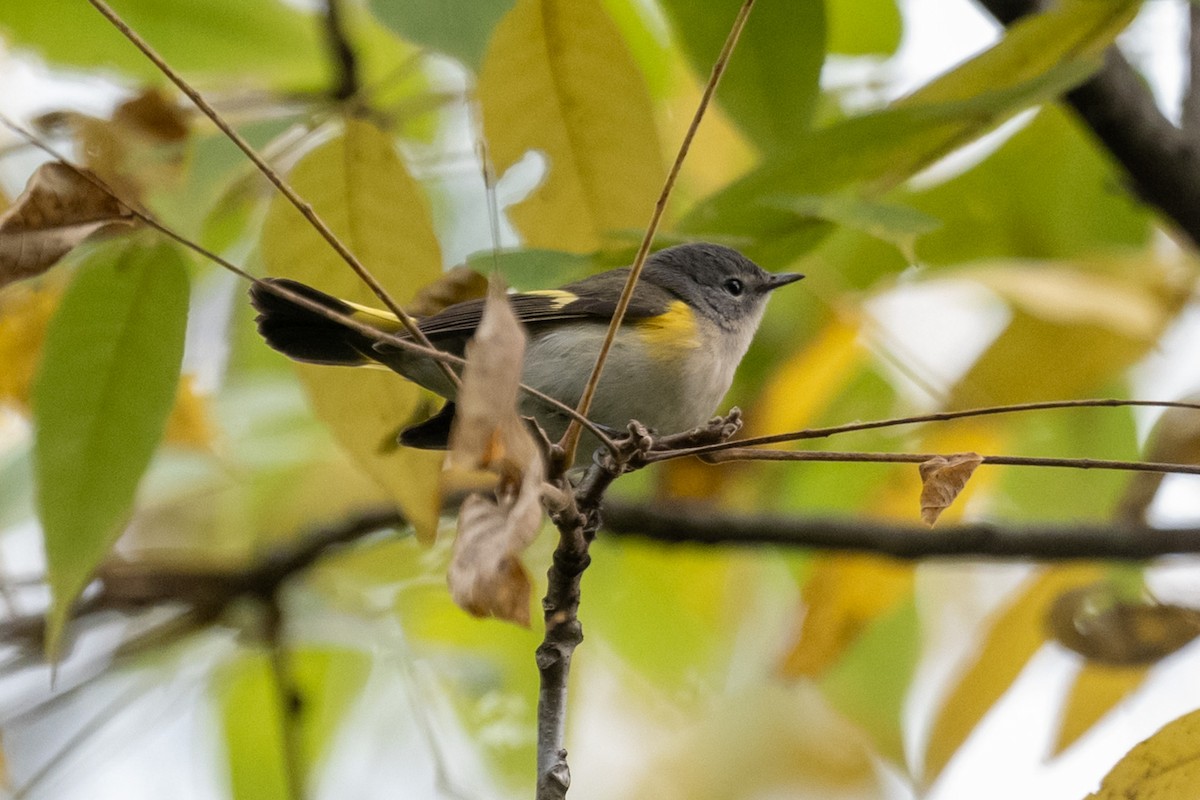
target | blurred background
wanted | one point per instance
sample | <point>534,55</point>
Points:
<point>967,240</point>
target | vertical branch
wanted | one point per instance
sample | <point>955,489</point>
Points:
<point>345,63</point>
<point>577,525</point>
<point>291,702</point>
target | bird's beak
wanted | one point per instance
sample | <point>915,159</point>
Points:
<point>778,279</point>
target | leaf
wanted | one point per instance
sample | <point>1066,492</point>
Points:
<point>59,208</point>
<point>871,696</point>
<point>1164,767</point>
<point>895,224</point>
<point>328,681</point>
<point>190,423</point>
<point>222,38</point>
<point>942,479</point>
<point>1103,626</point>
<point>25,313</point>
<point>1175,438</point>
<point>863,27</point>
<point>358,185</point>
<point>1017,633</point>
<point>842,598</point>
<point>1035,61</point>
<point>770,87</point>
<point>558,79</point>
<point>491,449</point>
<point>1086,322</point>
<point>1097,689</point>
<point>458,28</point>
<point>100,402</point>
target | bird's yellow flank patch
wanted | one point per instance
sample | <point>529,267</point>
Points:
<point>671,331</point>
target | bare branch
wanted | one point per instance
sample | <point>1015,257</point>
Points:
<point>696,524</point>
<point>754,454</point>
<point>570,439</point>
<point>1162,161</point>
<point>276,180</point>
<point>680,451</point>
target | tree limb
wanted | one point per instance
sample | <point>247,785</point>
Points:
<point>697,524</point>
<point>1162,161</point>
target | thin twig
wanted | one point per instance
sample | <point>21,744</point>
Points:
<point>301,205</point>
<point>570,439</point>
<point>701,524</point>
<point>754,454</point>
<point>937,416</point>
<point>282,291</point>
<point>345,63</point>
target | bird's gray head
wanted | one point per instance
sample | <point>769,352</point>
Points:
<point>716,281</point>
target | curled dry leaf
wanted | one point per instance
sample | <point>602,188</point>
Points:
<point>493,458</point>
<point>59,208</point>
<point>1102,626</point>
<point>456,285</point>
<point>942,479</point>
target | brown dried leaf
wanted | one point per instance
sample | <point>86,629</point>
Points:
<point>456,285</point>
<point>1174,439</point>
<point>942,480</point>
<point>1102,626</point>
<point>59,208</point>
<point>489,445</point>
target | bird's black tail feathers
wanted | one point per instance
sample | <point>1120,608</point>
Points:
<point>305,335</point>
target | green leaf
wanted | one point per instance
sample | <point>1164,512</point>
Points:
<point>104,390</point>
<point>1037,60</point>
<point>871,681</point>
<point>888,222</point>
<point>532,268</point>
<point>458,28</point>
<point>204,39</point>
<point>559,79</point>
<point>863,27</point>
<point>327,680</point>
<point>359,186</point>
<point>1048,192</point>
<point>771,85</point>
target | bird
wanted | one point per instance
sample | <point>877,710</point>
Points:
<point>690,320</point>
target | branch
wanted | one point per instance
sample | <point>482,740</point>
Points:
<point>345,63</point>
<point>305,209</point>
<point>697,524</point>
<point>1189,116</point>
<point>1162,161</point>
<point>570,438</point>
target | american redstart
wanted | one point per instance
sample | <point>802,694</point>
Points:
<point>690,321</point>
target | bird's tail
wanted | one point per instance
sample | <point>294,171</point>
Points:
<point>305,335</point>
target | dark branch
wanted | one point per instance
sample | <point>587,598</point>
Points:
<point>1162,162</point>
<point>1190,114</point>
<point>345,63</point>
<point>695,524</point>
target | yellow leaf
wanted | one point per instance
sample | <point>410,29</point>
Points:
<point>803,386</point>
<point>558,79</point>
<point>190,423</point>
<point>360,188</point>
<point>1164,767</point>
<point>25,311</point>
<point>1106,316</point>
<point>942,480</point>
<point>1097,689</point>
<point>842,596</point>
<point>1018,632</point>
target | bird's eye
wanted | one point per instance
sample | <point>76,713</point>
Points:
<point>734,286</point>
